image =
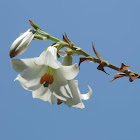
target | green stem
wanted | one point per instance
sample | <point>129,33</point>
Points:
<point>96,60</point>
<point>76,50</point>
<point>53,38</point>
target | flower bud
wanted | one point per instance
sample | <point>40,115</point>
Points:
<point>67,60</point>
<point>33,24</point>
<point>21,44</point>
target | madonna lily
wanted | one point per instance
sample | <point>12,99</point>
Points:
<point>45,76</point>
<point>21,44</point>
<point>48,79</point>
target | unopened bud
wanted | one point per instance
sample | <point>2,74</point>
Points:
<point>21,44</point>
<point>33,24</point>
<point>67,60</point>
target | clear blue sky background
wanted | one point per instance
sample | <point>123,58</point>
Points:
<point>113,112</point>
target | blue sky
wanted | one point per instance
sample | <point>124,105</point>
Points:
<point>113,111</point>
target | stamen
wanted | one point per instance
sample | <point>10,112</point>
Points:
<point>59,102</point>
<point>51,79</point>
<point>42,80</point>
<point>46,79</point>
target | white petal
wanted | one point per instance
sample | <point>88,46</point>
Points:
<point>50,49</point>
<point>59,95</point>
<point>43,54</point>
<point>76,82</point>
<point>46,58</point>
<point>51,61</point>
<point>87,95</point>
<point>52,99</point>
<point>80,105</point>
<point>21,64</point>
<point>66,91</point>
<point>75,93</point>
<point>40,60</point>
<point>53,51</point>
<point>42,93</point>
<point>70,72</point>
<point>60,86</point>
<point>55,88</point>
<point>30,78</point>
<point>84,96</point>
<point>17,79</point>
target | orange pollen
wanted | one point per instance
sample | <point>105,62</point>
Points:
<point>47,79</point>
<point>59,101</point>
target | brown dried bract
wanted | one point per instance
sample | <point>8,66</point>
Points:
<point>65,39</point>
<point>124,67</point>
<point>119,75</point>
<point>88,59</point>
<point>103,63</point>
<point>96,52</point>
<point>64,52</point>
<point>133,77</point>
<point>101,67</point>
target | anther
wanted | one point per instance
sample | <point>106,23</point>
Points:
<point>59,102</point>
<point>47,79</point>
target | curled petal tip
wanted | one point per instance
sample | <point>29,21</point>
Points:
<point>87,95</point>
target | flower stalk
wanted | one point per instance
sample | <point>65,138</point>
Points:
<point>79,51</point>
<point>50,80</point>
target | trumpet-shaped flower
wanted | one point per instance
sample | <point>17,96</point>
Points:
<point>49,80</point>
<point>21,44</point>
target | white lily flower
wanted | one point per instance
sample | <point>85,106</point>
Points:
<point>48,79</point>
<point>21,44</point>
<point>45,76</point>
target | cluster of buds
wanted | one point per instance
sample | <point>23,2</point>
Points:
<point>50,80</point>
